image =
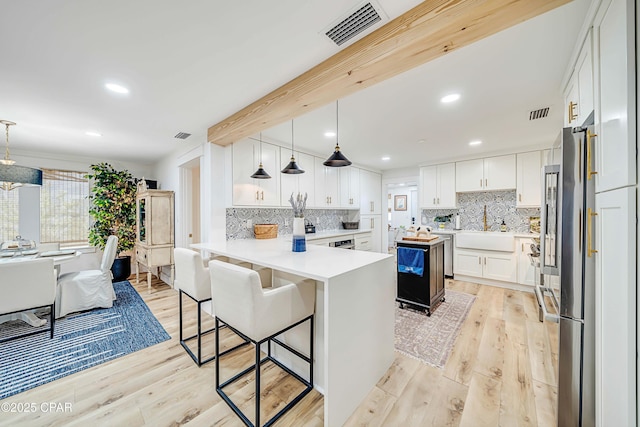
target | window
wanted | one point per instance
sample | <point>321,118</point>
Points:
<point>64,207</point>
<point>9,215</point>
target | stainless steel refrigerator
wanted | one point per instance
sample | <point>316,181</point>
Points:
<point>568,271</point>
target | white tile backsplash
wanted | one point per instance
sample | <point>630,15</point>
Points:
<point>500,205</point>
<point>323,219</point>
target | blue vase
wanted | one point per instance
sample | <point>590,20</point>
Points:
<point>299,241</point>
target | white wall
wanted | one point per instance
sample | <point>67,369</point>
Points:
<point>399,218</point>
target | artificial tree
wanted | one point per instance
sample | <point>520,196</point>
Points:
<point>113,209</point>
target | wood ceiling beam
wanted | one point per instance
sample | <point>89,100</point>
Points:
<point>426,32</point>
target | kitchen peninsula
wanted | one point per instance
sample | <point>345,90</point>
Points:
<point>354,327</point>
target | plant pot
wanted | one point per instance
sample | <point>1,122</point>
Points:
<point>121,268</point>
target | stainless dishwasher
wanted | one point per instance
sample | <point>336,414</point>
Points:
<point>448,252</point>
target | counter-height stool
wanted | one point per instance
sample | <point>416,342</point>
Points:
<point>259,315</point>
<point>193,280</point>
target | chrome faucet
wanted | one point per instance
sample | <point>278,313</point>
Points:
<point>484,218</point>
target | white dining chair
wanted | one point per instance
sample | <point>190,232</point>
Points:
<point>259,315</point>
<point>28,285</point>
<point>87,289</point>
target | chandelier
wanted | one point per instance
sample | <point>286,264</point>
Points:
<point>12,176</point>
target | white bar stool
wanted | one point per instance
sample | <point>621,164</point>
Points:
<point>192,279</point>
<point>259,315</point>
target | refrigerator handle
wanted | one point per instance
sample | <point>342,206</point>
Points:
<point>543,305</point>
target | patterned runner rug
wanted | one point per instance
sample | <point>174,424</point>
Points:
<point>81,340</point>
<point>430,339</point>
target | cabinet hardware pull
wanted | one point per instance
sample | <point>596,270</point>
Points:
<point>257,195</point>
<point>485,260</point>
<point>590,215</point>
<point>519,197</point>
<point>480,182</point>
<point>434,200</point>
<point>572,109</point>
<point>372,223</point>
<point>480,260</point>
<point>262,195</point>
<point>371,206</point>
<point>590,172</point>
<point>486,182</point>
<point>329,199</point>
<point>438,200</point>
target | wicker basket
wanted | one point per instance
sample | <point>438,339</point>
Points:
<point>265,231</point>
<point>351,225</point>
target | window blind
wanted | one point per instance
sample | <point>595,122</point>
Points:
<point>9,219</point>
<point>64,207</point>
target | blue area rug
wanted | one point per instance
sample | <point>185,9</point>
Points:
<point>81,341</point>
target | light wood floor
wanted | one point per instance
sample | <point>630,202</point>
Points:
<point>502,372</point>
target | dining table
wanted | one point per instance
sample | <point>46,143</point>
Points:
<point>59,257</point>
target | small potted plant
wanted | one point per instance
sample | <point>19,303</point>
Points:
<point>113,209</point>
<point>441,220</point>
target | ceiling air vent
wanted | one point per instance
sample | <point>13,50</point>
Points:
<point>539,114</point>
<point>364,16</point>
<point>182,135</point>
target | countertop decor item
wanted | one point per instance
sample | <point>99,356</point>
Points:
<point>441,220</point>
<point>12,176</point>
<point>337,159</point>
<point>353,225</point>
<point>298,241</point>
<point>265,231</point>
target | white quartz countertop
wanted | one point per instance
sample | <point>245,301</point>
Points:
<point>317,262</point>
<point>515,234</point>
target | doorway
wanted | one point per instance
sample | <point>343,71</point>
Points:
<point>190,202</point>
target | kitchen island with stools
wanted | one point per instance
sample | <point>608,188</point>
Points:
<point>355,313</point>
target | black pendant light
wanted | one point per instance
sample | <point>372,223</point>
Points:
<point>337,159</point>
<point>292,167</point>
<point>261,173</point>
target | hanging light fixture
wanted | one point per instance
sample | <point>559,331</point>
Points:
<point>337,159</point>
<point>261,173</point>
<point>292,167</point>
<point>12,176</point>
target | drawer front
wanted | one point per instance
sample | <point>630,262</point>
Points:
<point>160,256</point>
<point>142,256</point>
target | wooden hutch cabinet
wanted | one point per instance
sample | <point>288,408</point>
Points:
<point>154,230</point>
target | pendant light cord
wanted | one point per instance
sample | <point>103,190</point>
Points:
<point>291,138</point>
<point>6,153</point>
<point>260,149</point>
<point>337,133</point>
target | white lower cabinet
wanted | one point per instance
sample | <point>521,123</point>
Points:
<point>374,222</point>
<point>614,250</point>
<point>486,264</point>
<point>526,271</point>
<point>363,242</point>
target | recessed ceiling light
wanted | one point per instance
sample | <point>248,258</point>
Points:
<point>116,88</point>
<point>385,158</point>
<point>401,184</point>
<point>329,134</point>
<point>421,141</point>
<point>450,98</point>
<point>478,142</point>
<point>93,133</point>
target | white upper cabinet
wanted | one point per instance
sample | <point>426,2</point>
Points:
<point>579,91</point>
<point>248,191</point>
<point>528,191</point>
<point>500,172</point>
<point>470,175</point>
<point>326,186</point>
<point>438,186</point>
<point>615,145</point>
<point>296,183</point>
<point>349,187</point>
<point>492,173</point>
<point>370,192</point>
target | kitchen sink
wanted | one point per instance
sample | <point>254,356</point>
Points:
<point>486,240</point>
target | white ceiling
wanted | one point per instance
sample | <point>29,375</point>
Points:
<point>189,65</point>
